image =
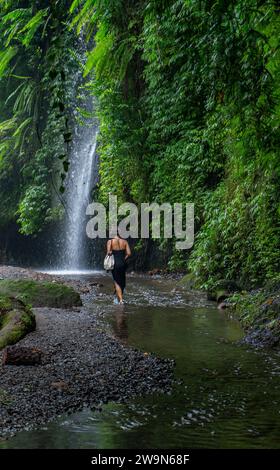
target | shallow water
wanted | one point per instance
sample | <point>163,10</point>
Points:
<point>228,396</point>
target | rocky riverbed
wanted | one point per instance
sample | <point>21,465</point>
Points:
<point>83,365</point>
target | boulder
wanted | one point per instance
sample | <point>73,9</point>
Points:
<point>41,293</point>
<point>16,320</point>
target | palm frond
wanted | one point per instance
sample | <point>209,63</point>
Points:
<point>16,18</point>
<point>75,5</point>
<point>11,95</point>
<point>7,126</point>
<point>31,27</point>
<point>24,100</point>
<point>5,58</point>
<point>20,132</point>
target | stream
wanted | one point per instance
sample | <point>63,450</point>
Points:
<point>226,396</point>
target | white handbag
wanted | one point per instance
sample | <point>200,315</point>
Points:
<point>109,262</point>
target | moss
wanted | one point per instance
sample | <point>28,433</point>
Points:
<point>17,319</point>
<point>5,304</point>
<point>41,294</point>
<point>259,314</point>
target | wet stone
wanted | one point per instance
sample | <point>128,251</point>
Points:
<point>82,366</point>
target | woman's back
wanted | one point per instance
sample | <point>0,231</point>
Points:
<point>118,244</point>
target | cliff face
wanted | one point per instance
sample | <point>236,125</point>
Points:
<point>22,250</point>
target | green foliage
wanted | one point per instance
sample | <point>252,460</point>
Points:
<point>31,207</point>
<point>115,58</point>
<point>5,59</point>
<point>37,67</point>
<point>188,104</point>
<point>189,112</point>
<point>31,27</point>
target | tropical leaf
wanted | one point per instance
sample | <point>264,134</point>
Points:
<point>86,16</point>
<point>74,5</point>
<point>22,126</point>
<point>5,146</point>
<point>14,93</point>
<point>31,27</point>
<point>20,133</point>
<point>16,18</point>
<point>5,58</point>
<point>8,125</point>
<point>16,15</point>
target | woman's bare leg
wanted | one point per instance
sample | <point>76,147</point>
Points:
<point>119,292</point>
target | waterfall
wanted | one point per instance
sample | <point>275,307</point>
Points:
<point>81,178</point>
<point>72,249</point>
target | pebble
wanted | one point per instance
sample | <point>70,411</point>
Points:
<point>83,365</point>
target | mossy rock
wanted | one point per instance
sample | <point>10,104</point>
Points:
<point>40,294</point>
<point>5,305</point>
<point>259,314</point>
<point>16,320</point>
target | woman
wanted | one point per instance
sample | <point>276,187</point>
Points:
<point>121,251</point>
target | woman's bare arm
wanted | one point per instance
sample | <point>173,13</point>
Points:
<point>109,247</point>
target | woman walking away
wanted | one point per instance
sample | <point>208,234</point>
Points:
<point>121,251</point>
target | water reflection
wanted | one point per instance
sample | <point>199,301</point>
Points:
<point>120,324</point>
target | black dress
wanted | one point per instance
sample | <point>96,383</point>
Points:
<point>119,268</point>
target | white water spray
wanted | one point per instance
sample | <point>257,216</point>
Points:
<point>83,172</point>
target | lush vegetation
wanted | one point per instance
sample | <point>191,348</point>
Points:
<point>188,94</point>
<point>38,62</point>
<point>189,112</point>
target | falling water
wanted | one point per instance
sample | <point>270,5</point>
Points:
<point>82,177</point>
<point>70,248</point>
